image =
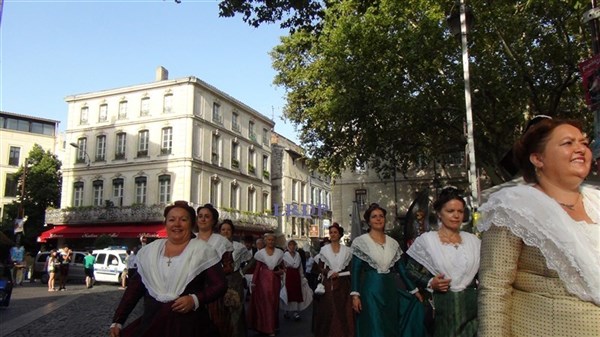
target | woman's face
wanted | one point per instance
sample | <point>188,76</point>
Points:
<point>179,225</point>
<point>334,234</point>
<point>452,214</point>
<point>566,155</point>
<point>377,220</point>
<point>205,220</point>
<point>270,241</point>
<point>226,231</point>
<point>292,246</point>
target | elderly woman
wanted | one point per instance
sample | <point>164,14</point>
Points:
<point>334,316</point>
<point>293,281</point>
<point>375,296</point>
<point>540,250</point>
<point>445,262</point>
<point>234,298</point>
<point>177,277</point>
<point>263,311</point>
<point>208,217</point>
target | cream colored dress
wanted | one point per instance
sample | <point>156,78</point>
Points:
<point>540,270</point>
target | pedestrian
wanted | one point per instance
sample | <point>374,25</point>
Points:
<point>177,277</point>
<point>293,282</point>
<point>88,267</point>
<point>52,266</point>
<point>540,255</point>
<point>446,262</point>
<point>208,218</point>
<point>333,309</point>
<point>64,258</point>
<point>132,263</point>
<point>375,295</point>
<point>17,255</point>
<point>124,272</point>
<point>263,311</point>
<point>234,298</point>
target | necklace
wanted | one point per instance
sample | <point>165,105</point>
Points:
<point>169,261</point>
<point>570,206</point>
<point>449,239</point>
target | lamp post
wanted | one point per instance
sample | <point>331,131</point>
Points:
<point>86,157</point>
<point>464,19</point>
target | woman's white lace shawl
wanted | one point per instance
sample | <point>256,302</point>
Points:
<point>271,261</point>
<point>380,259</point>
<point>220,244</point>
<point>240,254</point>
<point>570,248</point>
<point>292,261</point>
<point>195,258</point>
<point>460,264</point>
<point>336,262</point>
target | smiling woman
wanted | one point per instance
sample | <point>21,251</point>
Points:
<point>177,277</point>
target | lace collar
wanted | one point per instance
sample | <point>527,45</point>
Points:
<point>566,244</point>
<point>219,243</point>
<point>292,261</point>
<point>379,257</point>
<point>336,262</point>
<point>272,261</point>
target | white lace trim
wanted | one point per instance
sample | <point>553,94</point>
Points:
<point>219,243</point>
<point>271,261</point>
<point>570,248</point>
<point>380,258</point>
<point>459,263</point>
<point>240,254</point>
<point>336,262</point>
<point>292,261</point>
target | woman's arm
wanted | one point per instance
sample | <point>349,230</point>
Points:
<point>410,286</point>
<point>500,251</point>
<point>417,273</point>
<point>215,284</point>
<point>134,292</point>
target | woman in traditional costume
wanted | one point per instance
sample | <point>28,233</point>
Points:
<point>177,277</point>
<point>540,250</point>
<point>445,262</point>
<point>334,316</point>
<point>375,296</point>
<point>263,311</point>
<point>293,281</point>
<point>234,298</point>
<point>208,218</point>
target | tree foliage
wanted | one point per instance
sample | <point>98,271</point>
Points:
<point>382,81</point>
<point>42,190</point>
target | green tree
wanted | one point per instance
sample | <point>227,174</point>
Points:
<point>43,181</point>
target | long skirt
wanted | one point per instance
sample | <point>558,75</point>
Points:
<point>263,311</point>
<point>333,310</point>
<point>455,313</point>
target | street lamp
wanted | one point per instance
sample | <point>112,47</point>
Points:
<point>87,158</point>
<point>458,25</point>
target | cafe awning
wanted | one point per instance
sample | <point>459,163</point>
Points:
<point>120,231</point>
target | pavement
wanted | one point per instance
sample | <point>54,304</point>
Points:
<point>78,311</point>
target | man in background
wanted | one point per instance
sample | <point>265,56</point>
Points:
<point>88,265</point>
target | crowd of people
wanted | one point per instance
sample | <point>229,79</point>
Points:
<point>535,271</point>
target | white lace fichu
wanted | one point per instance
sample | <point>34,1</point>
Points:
<point>570,248</point>
<point>380,258</point>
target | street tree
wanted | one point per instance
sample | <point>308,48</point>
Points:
<point>381,82</point>
<point>42,188</point>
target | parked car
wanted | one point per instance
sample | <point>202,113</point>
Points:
<point>76,272</point>
<point>110,264</point>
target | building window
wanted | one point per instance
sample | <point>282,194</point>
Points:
<point>265,202</point>
<point>216,114</point>
<point>11,185</point>
<point>81,150</point>
<point>83,115</point>
<point>294,191</point>
<point>140,190</point>
<point>215,185</point>
<point>145,106</point>
<point>121,145</point>
<point>122,109</point>
<point>251,133</point>
<point>265,167</point>
<point>14,155</point>
<point>103,113</point>
<point>235,125</point>
<point>98,192</point>
<point>251,161</point>
<point>168,103</point>
<point>216,150</point>
<point>78,194</point>
<point>164,189</point>
<point>235,156</point>
<point>313,196</point>
<point>302,194</point>
<point>118,192</point>
<point>360,196</point>
<point>101,148</point>
<point>235,196</point>
<point>143,138</point>
<point>251,200</point>
<point>265,136</point>
<point>167,140</point>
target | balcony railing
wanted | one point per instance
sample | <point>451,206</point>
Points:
<point>90,214</point>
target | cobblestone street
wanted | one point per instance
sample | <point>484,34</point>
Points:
<point>35,312</point>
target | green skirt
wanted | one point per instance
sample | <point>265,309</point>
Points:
<point>455,313</point>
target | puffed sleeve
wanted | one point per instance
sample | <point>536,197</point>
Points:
<point>500,251</point>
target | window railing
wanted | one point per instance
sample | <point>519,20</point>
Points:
<point>252,136</point>
<point>235,163</point>
<point>142,153</point>
<point>266,174</point>
<point>235,126</point>
<point>251,169</point>
<point>120,155</point>
<point>217,119</point>
<point>165,150</point>
<point>215,158</point>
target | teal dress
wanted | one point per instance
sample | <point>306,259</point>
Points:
<point>387,310</point>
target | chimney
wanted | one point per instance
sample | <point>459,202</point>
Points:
<point>162,74</point>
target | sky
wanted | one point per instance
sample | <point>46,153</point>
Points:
<point>53,49</point>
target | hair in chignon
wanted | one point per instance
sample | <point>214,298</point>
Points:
<point>228,222</point>
<point>184,205</point>
<point>370,210</point>
<point>448,194</point>
<point>339,228</point>
<point>213,210</point>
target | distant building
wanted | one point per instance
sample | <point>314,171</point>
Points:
<point>301,197</point>
<point>135,149</point>
<point>18,134</point>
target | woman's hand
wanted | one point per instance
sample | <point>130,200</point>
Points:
<point>419,296</point>
<point>115,331</point>
<point>335,275</point>
<point>356,304</point>
<point>183,304</point>
<point>439,283</point>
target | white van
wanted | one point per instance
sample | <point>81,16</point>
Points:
<point>109,264</point>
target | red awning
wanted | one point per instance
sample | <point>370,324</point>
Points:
<point>122,231</point>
